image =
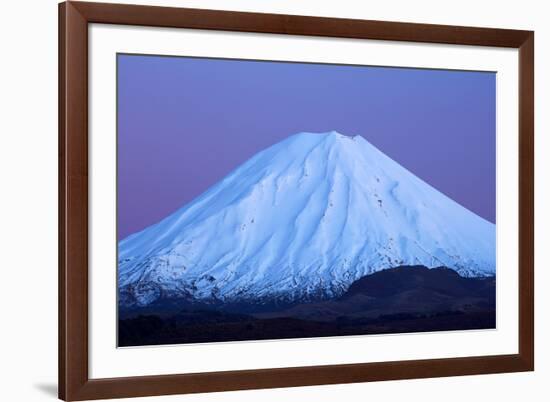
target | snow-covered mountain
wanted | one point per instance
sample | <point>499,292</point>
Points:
<point>302,219</point>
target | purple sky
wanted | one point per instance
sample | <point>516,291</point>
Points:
<point>184,123</point>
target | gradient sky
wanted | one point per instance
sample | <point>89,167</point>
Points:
<point>184,123</point>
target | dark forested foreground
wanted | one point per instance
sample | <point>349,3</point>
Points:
<point>398,300</point>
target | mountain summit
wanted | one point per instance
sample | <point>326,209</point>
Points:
<point>302,219</point>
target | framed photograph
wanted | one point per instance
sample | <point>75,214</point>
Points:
<point>259,200</point>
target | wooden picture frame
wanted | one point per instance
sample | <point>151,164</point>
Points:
<point>74,381</point>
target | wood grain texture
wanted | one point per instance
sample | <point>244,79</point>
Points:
<point>73,202</point>
<point>298,25</point>
<point>74,382</point>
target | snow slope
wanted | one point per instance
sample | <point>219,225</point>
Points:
<point>302,219</point>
